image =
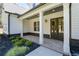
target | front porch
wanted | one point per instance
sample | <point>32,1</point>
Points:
<point>52,44</point>
<point>41,16</point>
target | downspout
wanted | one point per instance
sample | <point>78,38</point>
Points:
<point>70,25</point>
<point>8,23</point>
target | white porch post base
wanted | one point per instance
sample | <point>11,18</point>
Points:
<point>41,28</point>
<point>21,35</point>
<point>66,45</point>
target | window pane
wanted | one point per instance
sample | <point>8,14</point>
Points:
<point>34,26</point>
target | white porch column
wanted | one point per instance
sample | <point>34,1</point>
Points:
<point>21,28</point>
<point>66,29</point>
<point>41,28</point>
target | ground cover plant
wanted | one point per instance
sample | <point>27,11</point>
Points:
<point>17,51</point>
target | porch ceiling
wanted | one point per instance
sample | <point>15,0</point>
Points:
<point>53,10</point>
<point>45,7</point>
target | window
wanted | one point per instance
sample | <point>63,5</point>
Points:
<point>36,26</point>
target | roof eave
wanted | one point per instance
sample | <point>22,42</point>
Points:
<point>32,9</point>
<point>12,13</point>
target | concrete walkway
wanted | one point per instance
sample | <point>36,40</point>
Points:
<point>43,51</point>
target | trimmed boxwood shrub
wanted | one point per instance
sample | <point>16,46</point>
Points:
<point>28,43</point>
<point>18,43</point>
<point>17,51</point>
<point>12,38</point>
<point>18,37</point>
<point>23,40</point>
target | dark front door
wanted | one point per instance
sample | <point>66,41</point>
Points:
<point>57,28</point>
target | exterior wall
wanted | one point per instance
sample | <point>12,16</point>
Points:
<point>4,19</point>
<point>26,26</point>
<point>75,21</point>
<point>15,24</point>
<point>1,27</point>
<point>46,24</point>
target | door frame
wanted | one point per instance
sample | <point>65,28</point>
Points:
<point>51,25</point>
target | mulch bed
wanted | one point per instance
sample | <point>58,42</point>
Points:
<point>75,52</point>
<point>33,47</point>
<point>6,45</point>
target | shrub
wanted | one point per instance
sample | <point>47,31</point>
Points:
<point>19,43</point>
<point>23,40</point>
<point>18,37</point>
<point>12,38</point>
<point>28,43</point>
<point>17,51</point>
